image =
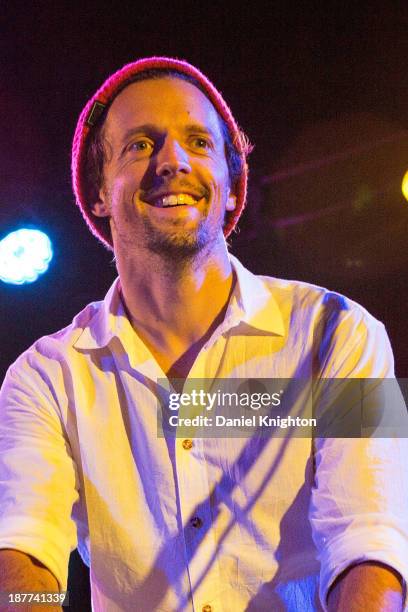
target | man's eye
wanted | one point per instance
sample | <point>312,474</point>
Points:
<point>201,143</point>
<point>140,145</point>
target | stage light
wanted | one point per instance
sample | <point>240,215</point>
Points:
<point>24,255</point>
<point>404,185</point>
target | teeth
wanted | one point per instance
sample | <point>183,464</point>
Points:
<point>170,200</point>
<point>174,200</point>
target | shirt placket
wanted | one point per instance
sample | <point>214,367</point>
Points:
<point>195,492</point>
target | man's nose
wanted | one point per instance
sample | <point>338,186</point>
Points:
<point>172,159</point>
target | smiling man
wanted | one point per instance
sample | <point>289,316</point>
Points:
<point>166,184</point>
<point>170,523</point>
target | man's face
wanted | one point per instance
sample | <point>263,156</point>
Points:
<point>166,184</point>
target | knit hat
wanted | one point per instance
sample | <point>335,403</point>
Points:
<point>102,99</point>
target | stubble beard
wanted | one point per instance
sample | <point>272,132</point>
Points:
<point>179,246</point>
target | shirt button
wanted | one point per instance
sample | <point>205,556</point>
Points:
<point>206,608</point>
<point>196,522</point>
<point>187,444</point>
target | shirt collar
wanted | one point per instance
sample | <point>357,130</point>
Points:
<point>252,303</point>
<point>110,320</point>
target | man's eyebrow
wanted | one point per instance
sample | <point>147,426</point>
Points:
<point>151,129</point>
<point>194,128</point>
<point>145,128</point>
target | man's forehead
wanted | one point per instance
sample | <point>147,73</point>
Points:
<point>166,100</point>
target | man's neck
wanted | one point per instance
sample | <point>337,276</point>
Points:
<point>175,306</point>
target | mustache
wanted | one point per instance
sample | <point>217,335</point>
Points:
<point>180,186</point>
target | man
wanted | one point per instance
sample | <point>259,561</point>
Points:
<point>209,524</point>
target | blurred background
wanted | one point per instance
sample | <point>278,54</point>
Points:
<point>321,90</point>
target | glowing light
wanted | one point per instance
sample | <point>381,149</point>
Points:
<point>404,185</point>
<point>24,255</point>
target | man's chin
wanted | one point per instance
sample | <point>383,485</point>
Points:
<point>179,245</point>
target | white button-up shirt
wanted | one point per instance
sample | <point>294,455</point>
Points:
<point>228,523</point>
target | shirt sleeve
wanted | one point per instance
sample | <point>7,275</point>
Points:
<point>38,481</point>
<point>359,508</point>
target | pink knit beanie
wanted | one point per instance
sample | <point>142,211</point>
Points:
<point>105,96</point>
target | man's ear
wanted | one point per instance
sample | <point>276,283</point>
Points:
<point>101,208</point>
<point>231,203</point>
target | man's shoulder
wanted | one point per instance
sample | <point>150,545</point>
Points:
<point>302,306</point>
<point>59,345</point>
<point>304,297</point>
<point>305,307</point>
<point>348,341</point>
